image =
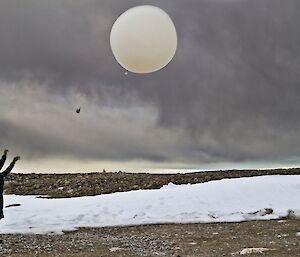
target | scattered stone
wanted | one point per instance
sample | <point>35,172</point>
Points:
<point>253,250</point>
<point>263,212</point>
<point>292,215</point>
<point>282,221</point>
<point>114,249</point>
<point>13,205</point>
<point>269,211</point>
<point>298,234</point>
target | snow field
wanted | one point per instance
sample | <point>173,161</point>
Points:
<point>228,200</point>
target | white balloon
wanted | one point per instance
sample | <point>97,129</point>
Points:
<point>143,39</point>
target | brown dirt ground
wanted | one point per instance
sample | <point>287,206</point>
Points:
<point>177,240</point>
<point>83,184</point>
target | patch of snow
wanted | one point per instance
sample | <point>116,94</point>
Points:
<point>169,186</point>
<point>228,200</point>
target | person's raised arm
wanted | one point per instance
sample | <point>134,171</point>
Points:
<point>10,167</point>
<point>3,158</point>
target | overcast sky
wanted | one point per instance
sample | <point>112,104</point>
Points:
<point>229,99</point>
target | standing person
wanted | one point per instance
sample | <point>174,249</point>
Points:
<point>3,175</point>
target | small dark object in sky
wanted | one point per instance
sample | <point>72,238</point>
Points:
<point>78,110</point>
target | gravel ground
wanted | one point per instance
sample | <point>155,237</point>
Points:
<point>170,240</point>
<point>83,184</point>
<point>177,240</point>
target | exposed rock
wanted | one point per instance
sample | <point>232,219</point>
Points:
<point>13,205</point>
<point>114,249</point>
<point>263,212</point>
<point>254,250</point>
<point>292,215</point>
<point>87,184</point>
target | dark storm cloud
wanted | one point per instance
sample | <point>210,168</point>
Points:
<point>232,88</point>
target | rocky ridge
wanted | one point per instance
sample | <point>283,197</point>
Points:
<point>89,184</point>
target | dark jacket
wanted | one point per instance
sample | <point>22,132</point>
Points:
<point>2,176</point>
<point>2,161</point>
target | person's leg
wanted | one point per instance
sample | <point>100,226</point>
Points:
<point>1,207</point>
<point>1,212</point>
<point>1,217</point>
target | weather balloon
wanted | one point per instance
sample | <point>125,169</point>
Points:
<point>143,39</point>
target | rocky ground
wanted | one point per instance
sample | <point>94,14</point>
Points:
<point>269,238</point>
<point>275,238</point>
<point>83,184</point>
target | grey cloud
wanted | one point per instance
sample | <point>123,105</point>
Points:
<point>232,89</point>
<point>37,128</point>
